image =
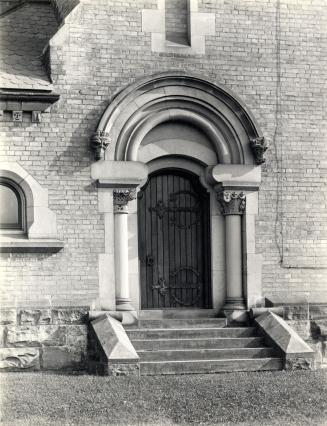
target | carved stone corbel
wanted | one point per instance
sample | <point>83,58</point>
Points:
<point>99,143</point>
<point>122,198</point>
<point>259,146</point>
<point>231,202</point>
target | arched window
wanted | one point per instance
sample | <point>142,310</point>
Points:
<point>12,207</point>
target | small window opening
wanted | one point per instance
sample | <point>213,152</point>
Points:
<point>12,207</point>
<point>177,21</point>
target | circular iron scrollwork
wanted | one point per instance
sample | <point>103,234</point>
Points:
<point>186,285</point>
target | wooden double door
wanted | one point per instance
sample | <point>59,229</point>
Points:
<point>174,241</point>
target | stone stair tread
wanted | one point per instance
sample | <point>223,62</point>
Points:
<point>190,328</point>
<point>195,338</point>
<point>210,360</point>
<point>204,349</point>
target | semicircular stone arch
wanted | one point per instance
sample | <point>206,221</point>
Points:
<point>171,97</point>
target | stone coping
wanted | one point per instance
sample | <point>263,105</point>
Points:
<point>282,335</point>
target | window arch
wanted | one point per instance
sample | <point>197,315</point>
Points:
<point>13,207</point>
<point>27,223</point>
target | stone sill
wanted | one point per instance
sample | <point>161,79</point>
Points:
<point>19,244</point>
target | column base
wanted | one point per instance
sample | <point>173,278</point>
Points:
<point>233,303</point>
<point>235,311</point>
<point>124,305</point>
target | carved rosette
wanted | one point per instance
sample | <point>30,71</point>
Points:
<point>99,143</point>
<point>259,146</point>
<point>121,199</point>
<point>232,202</point>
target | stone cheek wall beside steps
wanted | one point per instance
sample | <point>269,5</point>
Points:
<point>309,321</point>
<point>43,339</point>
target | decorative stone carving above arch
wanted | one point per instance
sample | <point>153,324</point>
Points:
<point>178,97</point>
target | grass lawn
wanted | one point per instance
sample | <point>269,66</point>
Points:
<point>267,398</point>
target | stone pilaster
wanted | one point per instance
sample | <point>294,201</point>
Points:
<point>232,205</point>
<point>121,197</point>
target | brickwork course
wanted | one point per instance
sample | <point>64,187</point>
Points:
<point>271,53</point>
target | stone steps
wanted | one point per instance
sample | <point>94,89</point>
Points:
<point>204,343</point>
<point>182,323</point>
<point>205,366</point>
<point>199,345</point>
<point>190,333</point>
<point>207,354</point>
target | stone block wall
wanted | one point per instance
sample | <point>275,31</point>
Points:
<point>43,339</point>
<point>270,53</point>
<point>310,322</point>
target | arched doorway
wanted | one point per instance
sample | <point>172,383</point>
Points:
<point>174,241</point>
<point>179,121</point>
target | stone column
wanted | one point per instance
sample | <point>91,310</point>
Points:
<point>121,198</point>
<point>233,206</point>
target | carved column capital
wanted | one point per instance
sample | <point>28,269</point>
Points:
<point>121,199</point>
<point>259,146</point>
<point>231,202</point>
<point>99,143</point>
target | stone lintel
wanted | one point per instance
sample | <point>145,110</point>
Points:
<point>114,341</point>
<point>238,176</point>
<point>115,174</point>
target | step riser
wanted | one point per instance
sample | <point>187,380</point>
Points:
<point>207,367</point>
<point>182,323</point>
<point>191,333</point>
<point>152,345</point>
<point>205,354</point>
<point>176,313</point>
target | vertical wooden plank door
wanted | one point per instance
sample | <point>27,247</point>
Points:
<point>174,242</point>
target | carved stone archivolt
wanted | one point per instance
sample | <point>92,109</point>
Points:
<point>122,198</point>
<point>99,143</point>
<point>259,146</point>
<point>231,202</point>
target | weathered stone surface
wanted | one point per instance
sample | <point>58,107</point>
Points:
<point>319,328</point>
<point>69,316</point>
<point>19,358</point>
<point>34,316</point>
<point>121,369</point>
<point>301,327</point>
<point>318,312</point>
<point>283,335</point>
<point>48,335</point>
<point>62,357</point>
<point>3,333</point>
<point>76,335</point>
<point>299,363</point>
<point>114,340</point>
<point>8,316</point>
<point>296,312</point>
<point>320,352</point>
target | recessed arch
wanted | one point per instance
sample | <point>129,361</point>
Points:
<point>172,96</point>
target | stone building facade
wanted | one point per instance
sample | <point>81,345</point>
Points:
<point>98,95</point>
